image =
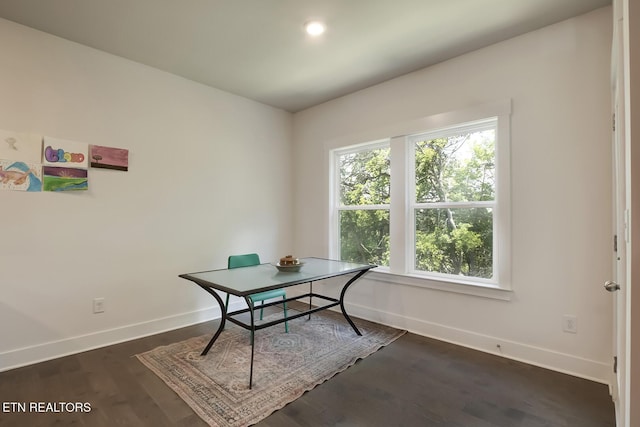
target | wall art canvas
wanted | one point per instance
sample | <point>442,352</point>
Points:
<point>109,157</point>
<point>64,179</point>
<point>65,153</point>
<point>20,146</point>
<point>20,176</point>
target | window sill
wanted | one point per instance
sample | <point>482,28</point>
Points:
<point>479,290</point>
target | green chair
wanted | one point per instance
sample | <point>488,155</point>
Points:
<point>247,260</point>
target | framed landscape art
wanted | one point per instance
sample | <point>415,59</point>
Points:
<point>64,179</point>
<point>109,157</point>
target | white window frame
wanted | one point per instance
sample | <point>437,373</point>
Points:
<point>335,185</point>
<point>488,123</point>
<point>400,268</point>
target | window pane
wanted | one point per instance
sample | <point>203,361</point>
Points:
<point>456,168</point>
<point>364,177</point>
<point>364,236</point>
<point>455,241</point>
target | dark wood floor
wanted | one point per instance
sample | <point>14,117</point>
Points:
<point>415,381</point>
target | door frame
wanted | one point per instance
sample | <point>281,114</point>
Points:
<point>622,242</point>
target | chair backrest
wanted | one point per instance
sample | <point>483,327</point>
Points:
<point>245,260</point>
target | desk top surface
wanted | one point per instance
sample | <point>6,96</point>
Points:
<point>258,278</point>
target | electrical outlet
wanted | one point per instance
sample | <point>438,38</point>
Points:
<point>98,305</point>
<point>570,324</point>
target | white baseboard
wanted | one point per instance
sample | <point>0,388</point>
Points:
<point>565,363</point>
<point>51,350</point>
<point>544,358</point>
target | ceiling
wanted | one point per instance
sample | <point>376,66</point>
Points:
<point>258,49</point>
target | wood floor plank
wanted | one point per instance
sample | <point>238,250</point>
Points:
<point>415,381</point>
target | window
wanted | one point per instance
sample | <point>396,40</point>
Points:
<point>363,203</point>
<point>453,200</point>
<point>431,204</point>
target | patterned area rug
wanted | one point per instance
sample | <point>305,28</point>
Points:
<point>286,365</point>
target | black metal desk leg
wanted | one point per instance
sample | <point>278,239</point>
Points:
<point>223,319</point>
<point>253,333</point>
<point>344,290</point>
<point>310,297</point>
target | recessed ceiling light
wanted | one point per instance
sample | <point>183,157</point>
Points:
<point>314,28</point>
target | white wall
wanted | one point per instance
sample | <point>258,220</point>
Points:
<point>558,81</point>
<point>193,150</point>
<point>205,173</point>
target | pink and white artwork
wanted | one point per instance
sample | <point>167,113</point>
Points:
<point>109,157</point>
<point>65,153</point>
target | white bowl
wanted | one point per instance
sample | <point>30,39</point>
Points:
<point>289,268</point>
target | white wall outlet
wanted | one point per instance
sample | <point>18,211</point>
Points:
<point>98,305</point>
<point>570,324</point>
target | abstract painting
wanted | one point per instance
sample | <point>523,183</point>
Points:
<point>64,179</point>
<point>20,146</point>
<point>65,153</point>
<point>109,157</point>
<point>20,176</point>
